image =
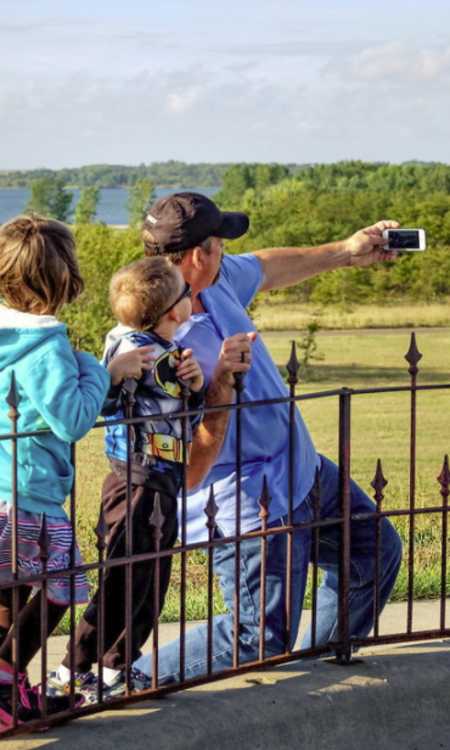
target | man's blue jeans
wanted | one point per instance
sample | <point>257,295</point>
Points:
<point>361,598</point>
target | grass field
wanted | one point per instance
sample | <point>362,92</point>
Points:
<point>277,314</point>
<point>380,429</point>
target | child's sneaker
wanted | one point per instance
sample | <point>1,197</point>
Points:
<point>29,706</point>
<point>117,688</point>
<point>113,689</point>
<point>25,712</point>
<point>57,686</point>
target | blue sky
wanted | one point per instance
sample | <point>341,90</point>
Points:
<point>291,81</point>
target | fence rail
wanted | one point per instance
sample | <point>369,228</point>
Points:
<point>342,646</point>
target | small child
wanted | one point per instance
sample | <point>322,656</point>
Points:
<point>150,300</point>
<point>56,389</point>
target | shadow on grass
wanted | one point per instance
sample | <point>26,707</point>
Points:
<point>364,374</point>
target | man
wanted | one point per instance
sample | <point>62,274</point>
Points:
<point>190,229</point>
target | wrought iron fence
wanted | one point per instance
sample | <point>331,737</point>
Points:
<point>345,642</point>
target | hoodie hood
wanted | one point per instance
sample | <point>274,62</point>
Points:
<point>114,335</point>
<point>22,332</point>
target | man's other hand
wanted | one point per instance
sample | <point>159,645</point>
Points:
<point>235,356</point>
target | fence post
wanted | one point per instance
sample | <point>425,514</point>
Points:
<point>264,502</point>
<point>43,557</point>
<point>13,414</point>
<point>378,483</point>
<point>292,367</point>
<point>444,481</point>
<point>72,581</point>
<point>211,512</point>
<point>343,651</point>
<point>130,387</point>
<point>238,387</point>
<point>185,393</point>
<point>413,357</point>
<point>315,495</point>
<point>157,522</point>
<point>100,532</point>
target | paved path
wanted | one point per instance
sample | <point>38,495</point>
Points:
<point>396,697</point>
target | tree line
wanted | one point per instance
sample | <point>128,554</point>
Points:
<point>166,174</point>
<point>345,175</point>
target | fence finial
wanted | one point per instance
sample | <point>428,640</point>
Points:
<point>12,399</point>
<point>413,356</point>
<point>211,511</point>
<point>157,518</point>
<point>264,501</point>
<point>379,482</point>
<point>293,365</point>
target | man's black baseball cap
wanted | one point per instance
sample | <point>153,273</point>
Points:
<point>184,220</point>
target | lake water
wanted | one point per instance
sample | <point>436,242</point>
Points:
<point>111,207</point>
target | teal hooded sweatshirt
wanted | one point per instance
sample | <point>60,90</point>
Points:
<point>57,389</point>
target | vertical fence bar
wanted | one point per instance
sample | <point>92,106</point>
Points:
<point>378,483</point>
<point>43,556</point>
<point>292,367</point>
<point>413,357</point>
<point>100,532</point>
<point>72,581</point>
<point>239,387</point>
<point>315,557</point>
<point>157,521</point>
<point>211,512</point>
<point>343,652</point>
<point>444,481</point>
<point>264,516</point>
<point>13,415</point>
<point>185,393</point>
<point>130,389</point>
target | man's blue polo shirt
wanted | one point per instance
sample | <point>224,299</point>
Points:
<point>265,429</point>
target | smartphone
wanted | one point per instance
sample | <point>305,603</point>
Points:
<point>405,240</point>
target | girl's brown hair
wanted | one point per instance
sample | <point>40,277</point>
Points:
<point>38,266</point>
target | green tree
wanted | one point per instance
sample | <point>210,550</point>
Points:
<point>139,197</point>
<point>87,205</point>
<point>49,198</point>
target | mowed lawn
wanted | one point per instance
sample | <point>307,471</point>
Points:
<point>380,429</point>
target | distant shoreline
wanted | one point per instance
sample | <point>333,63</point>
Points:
<point>112,206</point>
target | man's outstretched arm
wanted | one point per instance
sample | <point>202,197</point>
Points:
<point>235,356</point>
<point>284,266</point>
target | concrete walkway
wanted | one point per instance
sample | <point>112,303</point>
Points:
<point>390,697</point>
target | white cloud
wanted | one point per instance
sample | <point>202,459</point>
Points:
<point>183,101</point>
<point>394,62</point>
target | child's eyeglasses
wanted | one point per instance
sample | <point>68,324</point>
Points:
<point>187,292</point>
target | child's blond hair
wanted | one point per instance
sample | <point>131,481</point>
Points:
<point>140,292</point>
<point>38,266</point>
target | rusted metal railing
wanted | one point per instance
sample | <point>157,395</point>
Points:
<point>345,641</point>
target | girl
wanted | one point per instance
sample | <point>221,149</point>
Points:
<point>57,390</point>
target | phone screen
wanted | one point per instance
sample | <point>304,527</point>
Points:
<point>403,239</point>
